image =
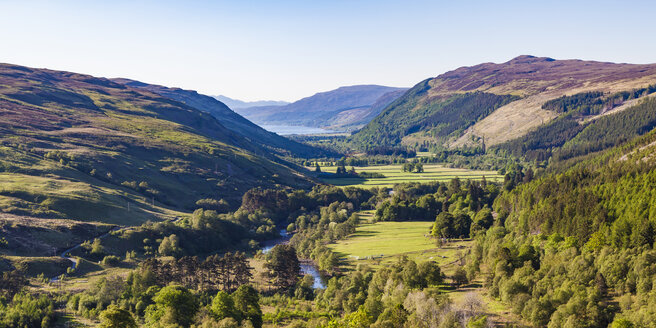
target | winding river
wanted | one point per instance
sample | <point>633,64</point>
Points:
<point>307,267</point>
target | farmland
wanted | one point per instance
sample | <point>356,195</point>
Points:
<point>394,174</point>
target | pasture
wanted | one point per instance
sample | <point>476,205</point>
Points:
<point>384,243</point>
<point>394,174</point>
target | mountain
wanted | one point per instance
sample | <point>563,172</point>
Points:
<point>495,103</point>
<point>74,146</point>
<point>236,103</point>
<point>342,108</point>
<point>229,119</point>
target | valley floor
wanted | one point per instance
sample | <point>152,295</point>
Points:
<point>394,174</point>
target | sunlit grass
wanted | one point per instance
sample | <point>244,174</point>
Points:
<point>383,243</point>
<point>393,174</point>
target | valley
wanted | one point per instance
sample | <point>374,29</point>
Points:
<point>493,195</point>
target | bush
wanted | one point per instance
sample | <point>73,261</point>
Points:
<point>111,260</point>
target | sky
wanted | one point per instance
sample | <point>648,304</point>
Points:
<point>287,50</point>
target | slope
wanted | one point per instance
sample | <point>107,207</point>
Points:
<point>78,147</point>
<point>504,101</point>
<point>230,119</point>
<point>339,108</point>
<point>572,245</point>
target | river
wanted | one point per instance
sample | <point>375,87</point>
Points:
<point>284,130</point>
<point>307,267</point>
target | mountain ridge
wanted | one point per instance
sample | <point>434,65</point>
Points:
<point>79,147</point>
<point>236,103</point>
<point>229,118</point>
<point>532,80</point>
<point>340,108</point>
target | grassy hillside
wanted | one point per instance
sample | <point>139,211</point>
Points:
<point>493,103</point>
<point>230,120</point>
<point>79,147</point>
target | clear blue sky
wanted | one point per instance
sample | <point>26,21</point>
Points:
<point>285,50</point>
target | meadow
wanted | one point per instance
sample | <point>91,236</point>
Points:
<point>384,243</point>
<point>394,174</point>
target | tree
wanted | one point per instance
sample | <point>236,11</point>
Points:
<point>460,277</point>
<point>11,282</point>
<point>430,272</point>
<point>174,305</point>
<point>223,306</point>
<point>170,246</point>
<point>114,317</point>
<point>247,302</point>
<point>304,290</point>
<point>461,225</point>
<point>419,168</point>
<point>358,319</point>
<point>443,226</point>
<point>97,248</point>
<point>472,303</point>
<point>317,168</point>
<point>283,265</point>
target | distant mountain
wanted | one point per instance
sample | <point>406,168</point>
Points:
<point>74,146</point>
<point>341,109</point>
<point>230,119</point>
<point>235,103</point>
<point>496,103</point>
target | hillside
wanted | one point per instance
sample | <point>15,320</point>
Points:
<point>236,103</point>
<point>74,146</point>
<point>493,102</point>
<point>229,119</point>
<point>339,109</point>
<point>570,244</point>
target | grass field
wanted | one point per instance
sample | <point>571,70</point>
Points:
<point>383,243</point>
<point>393,174</point>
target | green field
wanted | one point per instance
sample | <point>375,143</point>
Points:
<point>384,242</point>
<point>393,174</point>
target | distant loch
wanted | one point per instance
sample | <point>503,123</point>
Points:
<point>294,129</point>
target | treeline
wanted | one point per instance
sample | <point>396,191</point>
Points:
<point>187,292</point>
<point>215,273</point>
<point>568,136</point>
<point>611,130</point>
<point>202,234</point>
<point>594,103</point>
<point>415,201</point>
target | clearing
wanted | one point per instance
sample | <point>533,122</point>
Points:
<point>384,243</point>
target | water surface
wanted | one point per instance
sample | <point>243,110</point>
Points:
<point>294,129</point>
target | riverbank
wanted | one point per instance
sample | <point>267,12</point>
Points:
<point>307,265</point>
